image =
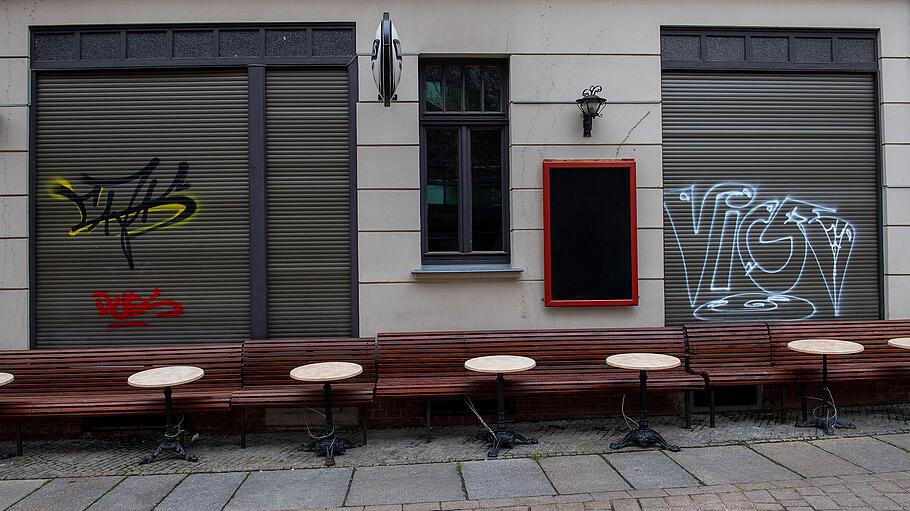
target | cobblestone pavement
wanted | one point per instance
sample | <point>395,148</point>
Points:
<point>283,450</point>
<point>748,462</point>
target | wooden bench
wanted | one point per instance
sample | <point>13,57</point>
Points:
<point>267,382</point>
<point>431,364</point>
<point>85,382</point>
<point>730,354</point>
<point>878,361</point>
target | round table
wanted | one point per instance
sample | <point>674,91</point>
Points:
<point>166,378</point>
<point>328,444</point>
<point>643,362</point>
<point>824,347</point>
<point>501,365</point>
<point>5,379</point>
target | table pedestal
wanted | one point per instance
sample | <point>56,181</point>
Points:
<point>502,437</point>
<point>330,445</point>
<point>643,436</point>
<point>825,421</point>
<point>171,435</point>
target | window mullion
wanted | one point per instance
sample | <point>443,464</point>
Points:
<point>468,217</point>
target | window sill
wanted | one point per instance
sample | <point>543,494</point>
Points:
<point>466,271</point>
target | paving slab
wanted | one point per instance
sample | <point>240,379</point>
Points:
<point>65,494</point>
<point>867,452</point>
<point>13,491</point>
<point>582,474</point>
<point>732,464</point>
<point>902,440</point>
<point>274,490</point>
<point>648,470</point>
<point>405,484</point>
<point>807,460</point>
<point>493,479</point>
<point>202,492</point>
<point>138,493</point>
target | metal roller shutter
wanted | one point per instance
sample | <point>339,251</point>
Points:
<point>309,207</point>
<point>116,144</point>
<point>770,196</point>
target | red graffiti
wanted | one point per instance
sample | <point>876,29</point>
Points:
<point>124,309</point>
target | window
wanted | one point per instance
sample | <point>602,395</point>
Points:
<point>464,162</point>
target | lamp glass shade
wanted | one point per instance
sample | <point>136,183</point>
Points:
<point>590,105</point>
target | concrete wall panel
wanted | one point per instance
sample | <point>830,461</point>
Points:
<point>14,173</point>
<point>527,161</point>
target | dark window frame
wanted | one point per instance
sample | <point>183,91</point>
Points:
<point>464,122</point>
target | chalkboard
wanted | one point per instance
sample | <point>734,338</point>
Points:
<point>590,241</point>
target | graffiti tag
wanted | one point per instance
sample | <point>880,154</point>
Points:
<point>126,309</point>
<point>100,205</point>
<point>771,245</point>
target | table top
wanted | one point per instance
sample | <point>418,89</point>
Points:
<point>643,361</point>
<point>825,346</point>
<point>6,378</point>
<point>900,342</point>
<point>326,371</point>
<point>161,377</point>
<point>500,364</point>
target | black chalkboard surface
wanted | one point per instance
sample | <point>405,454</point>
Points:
<point>590,233</point>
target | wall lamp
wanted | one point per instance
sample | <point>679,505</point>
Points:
<point>590,105</point>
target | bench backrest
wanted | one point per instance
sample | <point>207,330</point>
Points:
<point>583,350</point>
<point>269,362</point>
<point>873,335</point>
<point>730,345</point>
<point>107,369</point>
<point>425,354</point>
<point>420,354</point>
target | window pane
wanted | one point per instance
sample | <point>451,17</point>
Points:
<point>472,88</point>
<point>442,190</point>
<point>453,88</point>
<point>486,189</point>
<point>492,84</point>
<point>433,89</point>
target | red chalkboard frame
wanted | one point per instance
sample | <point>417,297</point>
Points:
<point>550,166</point>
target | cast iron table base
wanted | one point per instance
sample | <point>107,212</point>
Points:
<point>824,421</point>
<point>502,437</point>
<point>330,445</point>
<point>643,436</point>
<point>172,435</point>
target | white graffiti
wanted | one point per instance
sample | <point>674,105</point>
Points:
<point>744,256</point>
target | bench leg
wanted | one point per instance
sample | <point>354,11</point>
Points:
<point>802,397</point>
<point>688,407</point>
<point>429,412</point>
<point>19,438</point>
<point>783,403</point>
<point>711,407</point>
<point>243,428</point>
<point>363,423</point>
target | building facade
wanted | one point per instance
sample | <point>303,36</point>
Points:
<point>220,170</point>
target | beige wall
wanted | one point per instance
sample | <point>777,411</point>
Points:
<point>554,53</point>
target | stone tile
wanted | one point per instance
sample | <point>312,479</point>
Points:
<point>13,491</point>
<point>202,492</point>
<point>138,493</point>
<point>66,494</point>
<point>730,464</point>
<point>292,489</point>
<point>901,440</point>
<point>867,452</point>
<point>505,478</point>
<point>580,474</point>
<point>650,469</point>
<point>806,459</point>
<point>405,484</point>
